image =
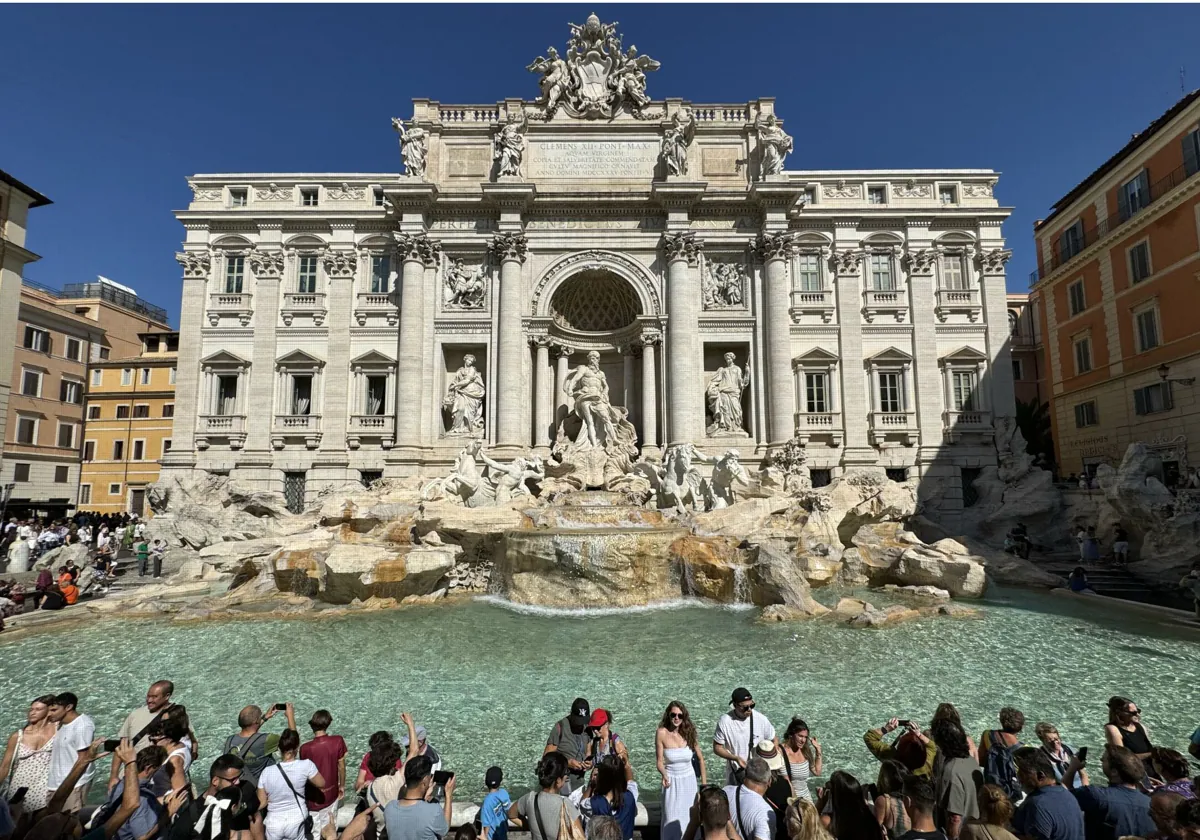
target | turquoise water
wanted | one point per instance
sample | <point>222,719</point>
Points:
<point>489,682</point>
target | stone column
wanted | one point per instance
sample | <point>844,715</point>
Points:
<point>544,407</point>
<point>649,397</point>
<point>685,400</point>
<point>415,251</point>
<point>995,312</point>
<point>188,400</point>
<point>928,384</point>
<point>510,250</point>
<point>775,249</point>
<point>560,379</point>
<point>337,398</point>
<point>855,406</point>
<point>268,268</point>
<point>627,376</point>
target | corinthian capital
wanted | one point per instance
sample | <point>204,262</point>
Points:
<point>847,262</point>
<point>993,261</point>
<point>195,263</point>
<point>682,246</point>
<point>775,246</point>
<point>921,262</point>
<point>509,246</point>
<point>340,263</point>
<point>267,264</point>
<point>417,246</point>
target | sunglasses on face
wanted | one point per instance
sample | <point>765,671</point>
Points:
<point>745,708</point>
<point>676,716</point>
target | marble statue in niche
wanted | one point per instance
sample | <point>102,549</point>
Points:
<point>724,397</point>
<point>464,399</point>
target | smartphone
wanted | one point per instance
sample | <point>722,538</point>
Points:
<point>442,776</point>
<point>904,724</point>
<point>19,796</point>
<point>1082,755</point>
<point>111,744</point>
<point>281,707</point>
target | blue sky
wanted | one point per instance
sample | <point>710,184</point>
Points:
<point>107,110</point>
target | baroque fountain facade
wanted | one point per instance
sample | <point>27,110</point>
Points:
<point>595,331</point>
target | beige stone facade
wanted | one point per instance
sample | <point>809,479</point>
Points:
<point>327,318</point>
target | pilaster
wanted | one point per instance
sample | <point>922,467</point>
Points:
<point>511,430</point>
<point>340,266</point>
<point>197,265</point>
<point>919,263</point>
<point>685,397</point>
<point>267,266</point>
<point>855,405</point>
<point>775,250</point>
<point>416,251</point>
<point>995,307</point>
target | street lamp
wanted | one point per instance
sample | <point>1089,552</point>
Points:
<point>1164,372</point>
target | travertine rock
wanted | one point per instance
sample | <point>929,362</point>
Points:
<point>946,565</point>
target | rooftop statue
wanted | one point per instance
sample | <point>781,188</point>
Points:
<point>595,79</point>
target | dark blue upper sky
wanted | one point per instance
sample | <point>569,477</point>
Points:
<point>107,110</point>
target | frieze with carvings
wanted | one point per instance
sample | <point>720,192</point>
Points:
<point>978,190</point>
<point>195,263</point>
<point>682,246</point>
<point>267,264</point>
<point>509,246</point>
<point>842,190</point>
<point>206,193</point>
<point>340,263</point>
<point>273,192</point>
<point>463,285</point>
<point>572,223</point>
<point>417,246</point>
<point>992,262</point>
<point>346,193</point>
<point>912,190</point>
<point>723,285</point>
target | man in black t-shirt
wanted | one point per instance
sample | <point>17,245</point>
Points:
<point>233,821</point>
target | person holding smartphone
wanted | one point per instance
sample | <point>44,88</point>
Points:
<point>413,816</point>
<point>257,749</point>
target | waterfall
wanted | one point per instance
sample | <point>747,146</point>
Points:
<point>741,585</point>
<point>687,579</point>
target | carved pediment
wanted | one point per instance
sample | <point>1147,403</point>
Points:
<point>892,355</point>
<point>816,357</point>
<point>299,358</point>
<point>223,358</point>
<point>372,358</point>
<point>966,355</point>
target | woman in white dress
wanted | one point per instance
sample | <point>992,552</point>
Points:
<point>27,756</point>
<point>281,789</point>
<point>801,756</point>
<point>676,747</point>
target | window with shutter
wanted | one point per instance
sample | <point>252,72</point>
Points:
<point>1139,262</point>
<point>1191,153</point>
<point>1147,329</point>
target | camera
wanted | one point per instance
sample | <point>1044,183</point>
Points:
<point>111,744</point>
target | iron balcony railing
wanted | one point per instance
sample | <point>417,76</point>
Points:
<point>1094,234</point>
<point>114,295</point>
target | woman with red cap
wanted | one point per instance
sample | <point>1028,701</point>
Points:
<point>604,741</point>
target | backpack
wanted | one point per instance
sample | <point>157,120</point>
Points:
<point>999,766</point>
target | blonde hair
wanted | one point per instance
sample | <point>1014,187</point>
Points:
<point>995,808</point>
<point>804,821</point>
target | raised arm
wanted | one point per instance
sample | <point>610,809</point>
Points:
<point>131,796</point>
<point>85,757</point>
<point>10,750</point>
<point>413,749</point>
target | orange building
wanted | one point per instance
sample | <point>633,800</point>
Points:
<point>1116,293</point>
<point>1025,347</point>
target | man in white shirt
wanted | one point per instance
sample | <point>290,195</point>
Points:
<point>73,739</point>
<point>738,731</point>
<point>136,727</point>
<point>748,810</point>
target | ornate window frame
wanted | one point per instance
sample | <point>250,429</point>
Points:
<point>363,425</point>
<point>826,424</point>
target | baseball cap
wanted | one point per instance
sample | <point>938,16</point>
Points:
<point>740,695</point>
<point>580,711</point>
<point>768,752</point>
<point>493,777</point>
<point>421,735</point>
<point>599,718</point>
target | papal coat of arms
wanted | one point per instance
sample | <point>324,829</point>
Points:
<point>596,78</point>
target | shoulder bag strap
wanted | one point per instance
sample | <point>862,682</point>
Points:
<point>153,721</point>
<point>750,749</point>
<point>291,787</point>
<point>741,826</point>
<point>537,815</point>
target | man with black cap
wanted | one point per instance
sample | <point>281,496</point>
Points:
<point>738,731</point>
<point>570,737</point>
<point>493,814</point>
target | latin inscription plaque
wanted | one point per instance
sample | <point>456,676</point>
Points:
<point>593,159</point>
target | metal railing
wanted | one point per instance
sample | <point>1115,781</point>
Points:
<point>1107,226</point>
<point>122,298</point>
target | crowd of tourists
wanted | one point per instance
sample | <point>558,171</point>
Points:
<point>106,536</point>
<point>934,782</point>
